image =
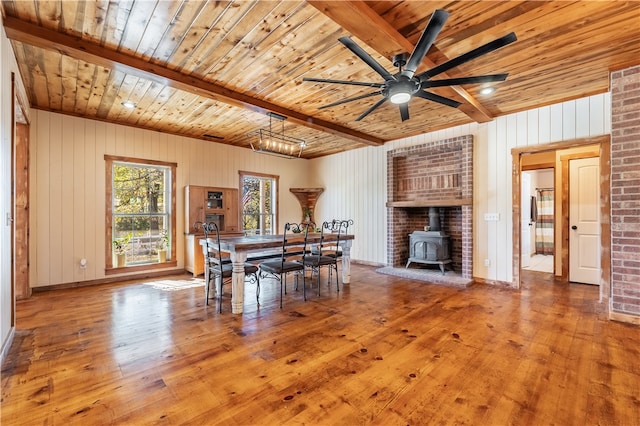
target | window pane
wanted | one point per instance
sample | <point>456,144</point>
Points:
<point>258,205</point>
<point>138,189</point>
<point>140,216</point>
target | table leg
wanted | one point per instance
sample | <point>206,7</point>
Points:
<point>346,261</point>
<point>237,281</point>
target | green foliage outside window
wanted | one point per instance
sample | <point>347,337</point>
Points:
<point>139,209</point>
<point>258,212</point>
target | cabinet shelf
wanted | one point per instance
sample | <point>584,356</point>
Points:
<point>208,204</point>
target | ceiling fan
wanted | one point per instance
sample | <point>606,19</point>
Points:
<point>400,87</point>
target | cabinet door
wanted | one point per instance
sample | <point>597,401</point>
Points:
<point>194,202</point>
<point>232,215</point>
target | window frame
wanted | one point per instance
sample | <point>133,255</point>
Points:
<point>242,174</point>
<point>108,260</point>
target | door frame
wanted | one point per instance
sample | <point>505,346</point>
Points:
<point>604,143</point>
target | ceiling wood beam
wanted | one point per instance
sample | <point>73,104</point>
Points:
<point>364,23</point>
<point>93,53</point>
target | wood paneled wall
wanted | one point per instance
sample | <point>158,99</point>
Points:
<point>68,171</point>
<point>68,186</point>
<point>355,181</point>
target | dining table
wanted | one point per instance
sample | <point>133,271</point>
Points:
<point>241,249</point>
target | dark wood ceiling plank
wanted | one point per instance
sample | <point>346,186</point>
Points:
<point>364,23</point>
<point>77,48</point>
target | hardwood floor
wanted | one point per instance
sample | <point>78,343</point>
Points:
<point>384,350</point>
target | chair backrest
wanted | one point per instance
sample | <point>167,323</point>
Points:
<point>338,227</point>
<point>212,243</point>
<point>341,226</point>
<point>292,240</point>
<point>333,227</point>
<point>317,251</point>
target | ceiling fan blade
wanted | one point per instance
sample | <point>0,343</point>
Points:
<point>472,54</point>
<point>464,80</point>
<point>437,98</point>
<point>431,31</point>
<point>404,111</point>
<point>370,110</point>
<point>352,83</point>
<point>344,101</point>
<point>368,59</point>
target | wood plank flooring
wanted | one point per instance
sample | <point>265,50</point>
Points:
<point>384,350</point>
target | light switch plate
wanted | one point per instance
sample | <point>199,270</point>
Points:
<point>492,217</point>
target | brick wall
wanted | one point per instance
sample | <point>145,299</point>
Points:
<point>441,170</point>
<point>436,171</point>
<point>625,191</point>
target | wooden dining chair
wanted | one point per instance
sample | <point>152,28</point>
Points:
<point>292,250</point>
<point>220,266</point>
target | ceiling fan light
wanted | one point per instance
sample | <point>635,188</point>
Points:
<point>487,91</point>
<point>400,98</point>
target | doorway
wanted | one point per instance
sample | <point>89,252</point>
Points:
<point>560,154</point>
<point>538,220</point>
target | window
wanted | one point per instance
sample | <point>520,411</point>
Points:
<point>259,203</point>
<point>140,222</point>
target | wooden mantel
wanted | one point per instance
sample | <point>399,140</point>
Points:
<point>454,202</point>
<point>307,198</point>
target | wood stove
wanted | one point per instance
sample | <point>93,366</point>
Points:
<point>432,246</point>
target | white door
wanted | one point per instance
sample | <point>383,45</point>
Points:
<point>584,221</point>
<point>525,219</point>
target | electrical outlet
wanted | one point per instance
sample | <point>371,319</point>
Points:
<point>492,217</point>
<point>487,262</point>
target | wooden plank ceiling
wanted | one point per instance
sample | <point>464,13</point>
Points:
<point>198,68</point>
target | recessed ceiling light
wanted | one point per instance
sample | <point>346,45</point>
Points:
<point>487,91</point>
<point>128,104</point>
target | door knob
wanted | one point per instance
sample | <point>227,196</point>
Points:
<point>574,227</point>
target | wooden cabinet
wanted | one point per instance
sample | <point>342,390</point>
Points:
<point>208,204</point>
<point>193,256</point>
<point>194,205</point>
<point>211,204</point>
<point>232,214</point>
